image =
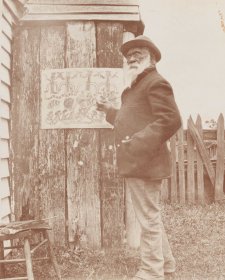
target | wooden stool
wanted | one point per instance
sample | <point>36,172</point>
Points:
<point>24,230</point>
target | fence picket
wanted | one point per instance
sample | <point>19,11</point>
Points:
<point>200,169</point>
<point>174,171</point>
<point>181,168</point>
<point>202,150</point>
<point>190,169</point>
<point>219,194</point>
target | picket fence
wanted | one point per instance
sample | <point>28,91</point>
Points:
<point>197,164</point>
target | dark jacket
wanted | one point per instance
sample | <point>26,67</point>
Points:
<point>149,116</point>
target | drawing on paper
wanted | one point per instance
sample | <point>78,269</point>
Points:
<point>68,96</point>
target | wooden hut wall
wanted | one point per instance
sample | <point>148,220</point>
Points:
<point>8,16</point>
<point>84,204</point>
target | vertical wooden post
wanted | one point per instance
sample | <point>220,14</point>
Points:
<point>2,268</point>
<point>219,194</point>
<point>52,256</point>
<point>25,122</point>
<point>190,169</point>
<point>109,37</point>
<point>200,178</point>
<point>28,259</point>
<point>83,181</point>
<point>51,142</point>
<point>181,167</point>
<point>174,169</point>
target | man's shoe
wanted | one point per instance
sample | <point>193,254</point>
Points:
<point>169,272</point>
<point>169,267</point>
<point>136,278</point>
<point>169,276</point>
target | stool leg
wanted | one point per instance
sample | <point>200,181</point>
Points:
<point>2,268</point>
<point>52,256</point>
<point>28,259</point>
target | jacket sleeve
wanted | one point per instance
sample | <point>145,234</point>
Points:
<point>166,122</point>
<point>111,115</point>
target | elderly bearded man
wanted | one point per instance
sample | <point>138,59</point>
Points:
<point>148,117</point>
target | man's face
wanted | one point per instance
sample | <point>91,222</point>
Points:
<point>137,56</point>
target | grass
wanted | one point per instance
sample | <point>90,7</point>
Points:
<point>196,235</point>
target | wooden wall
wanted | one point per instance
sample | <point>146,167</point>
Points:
<point>84,204</point>
<point>8,18</point>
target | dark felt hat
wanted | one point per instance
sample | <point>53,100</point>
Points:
<point>141,41</point>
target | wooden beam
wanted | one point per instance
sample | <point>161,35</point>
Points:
<point>208,134</point>
<point>79,17</point>
<point>14,261</point>
<point>28,259</point>
<point>52,142</point>
<point>81,9</point>
<point>25,122</point>
<point>85,2</point>
<point>83,160</point>
<point>17,278</point>
<point>52,255</point>
<point>2,267</point>
<point>109,37</point>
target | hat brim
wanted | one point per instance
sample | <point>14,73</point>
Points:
<point>137,43</point>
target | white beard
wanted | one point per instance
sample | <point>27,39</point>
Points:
<point>132,71</point>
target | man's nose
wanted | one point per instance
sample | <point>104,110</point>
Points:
<point>131,59</point>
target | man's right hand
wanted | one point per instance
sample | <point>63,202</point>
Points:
<point>103,105</point>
